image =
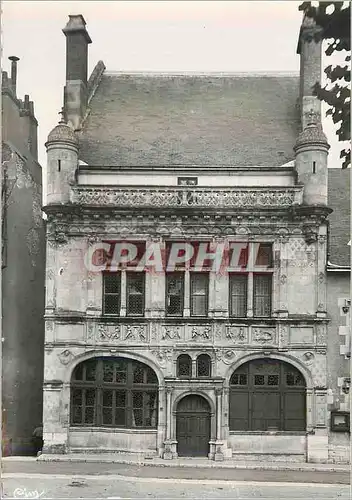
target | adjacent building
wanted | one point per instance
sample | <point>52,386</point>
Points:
<point>23,270</point>
<point>227,362</point>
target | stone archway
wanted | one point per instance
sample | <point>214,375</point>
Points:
<point>193,421</point>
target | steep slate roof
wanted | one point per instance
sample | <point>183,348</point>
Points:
<point>339,201</point>
<point>161,120</point>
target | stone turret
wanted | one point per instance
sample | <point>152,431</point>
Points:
<point>311,151</point>
<point>62,151</point>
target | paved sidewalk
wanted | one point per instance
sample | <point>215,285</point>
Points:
<point>142,460</point>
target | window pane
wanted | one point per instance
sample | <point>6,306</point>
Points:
<point>238,379</point>
<point>199,306</point>
<point>184,366</point>
<point>262,295</point>
<point>77,396</point>
<point>120,417</point>
<point>238,295</point>
<point>89,415</point>
<point>112,304</point>
<point>137,420</point>
<point>174,294</point>
<point>258,379</point>
<point>90,397</point>
<point>137,399</point>
<point>107,398</point>
<point>78,374</point>
<point>120,399</point>
<point>111,282</point>
<point>138,374</point>
<point>107,416</point>
<point>203,365</point>
<point>135,293</point>
<point>108,373</point>
<point>77,415</point>
<point>90,369</point>
<point>151,377</point>
<point>199,284</point>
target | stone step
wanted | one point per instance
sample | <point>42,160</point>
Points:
<point>269,457</point>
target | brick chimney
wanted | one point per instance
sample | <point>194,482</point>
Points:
<point>14,60</point>
<point>75,94</point>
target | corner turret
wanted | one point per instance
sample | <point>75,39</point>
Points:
<point>62,151</point>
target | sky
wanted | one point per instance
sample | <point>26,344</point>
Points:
<point>201,36</point>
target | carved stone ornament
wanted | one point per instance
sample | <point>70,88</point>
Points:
<point>321,277</point>
<point>236,333</point>
<point>108,333</point>
<point>308,357</point>
<point>184,197</point>
<point>200,332</point>
<point>283,279</point>
<point>65,357</point>
<point>171,332</point>
<point>163,355</point>
<point>263,335</point>
<point>61,237</point>
<point>136,333</point>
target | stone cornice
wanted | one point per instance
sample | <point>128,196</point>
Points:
<point>186,198</point>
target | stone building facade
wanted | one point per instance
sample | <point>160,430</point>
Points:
<point>228,363</point>
<point>23,270</point>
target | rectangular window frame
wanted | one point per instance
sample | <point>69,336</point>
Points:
<point>169,276</point>
<point>128,275</point>
<point>232,279</point>
<point>110,294</point>
<point>268,296</point>
<point>193,275</point>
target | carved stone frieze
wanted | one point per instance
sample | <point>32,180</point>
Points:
<point>262,335</point>
<point>178,197</point>
<point>171,332</point>
<point>321,334</point>
<point>108,333</point>
<point>199,332</point>
<point>136,333</point>
<point>237,334</point>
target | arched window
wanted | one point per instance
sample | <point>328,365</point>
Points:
<point>203,365</point>
<point>267,394</point>
<point>114,392</point>
<point>184,366</point>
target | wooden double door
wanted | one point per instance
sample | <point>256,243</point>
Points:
<point>193,426</point>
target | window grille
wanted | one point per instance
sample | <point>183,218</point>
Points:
<point>184,366</point>
<point>123,393</point>
<point>174,294</point>
<point>135,294</point>
<point>111,293</point>
<point>262,295</point>
<point>238,295</point>
<point>199,294</point>
<point>203,365</point>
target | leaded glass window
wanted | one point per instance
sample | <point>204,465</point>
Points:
<point>203,365</point>
<point>184,366</point>
<point>135,294</point>
<point>174,294</point>
<point>114,392</point>
<point>111,293</point>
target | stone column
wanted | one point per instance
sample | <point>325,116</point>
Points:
<point>170,443</point>
<point>219,456</point>
<point>123,308</point>
<point>186,310</point>
<point>321,276</point>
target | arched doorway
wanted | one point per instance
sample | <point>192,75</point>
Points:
<point>193,426</point>
<point>267,394</point>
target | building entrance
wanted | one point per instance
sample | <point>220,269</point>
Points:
<point>193,426</point>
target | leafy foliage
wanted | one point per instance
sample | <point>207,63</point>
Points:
<point>334,19</point>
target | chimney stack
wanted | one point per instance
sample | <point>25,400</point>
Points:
<point>309,48</point>
<point>76,95</point>
<point>14,60</point>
